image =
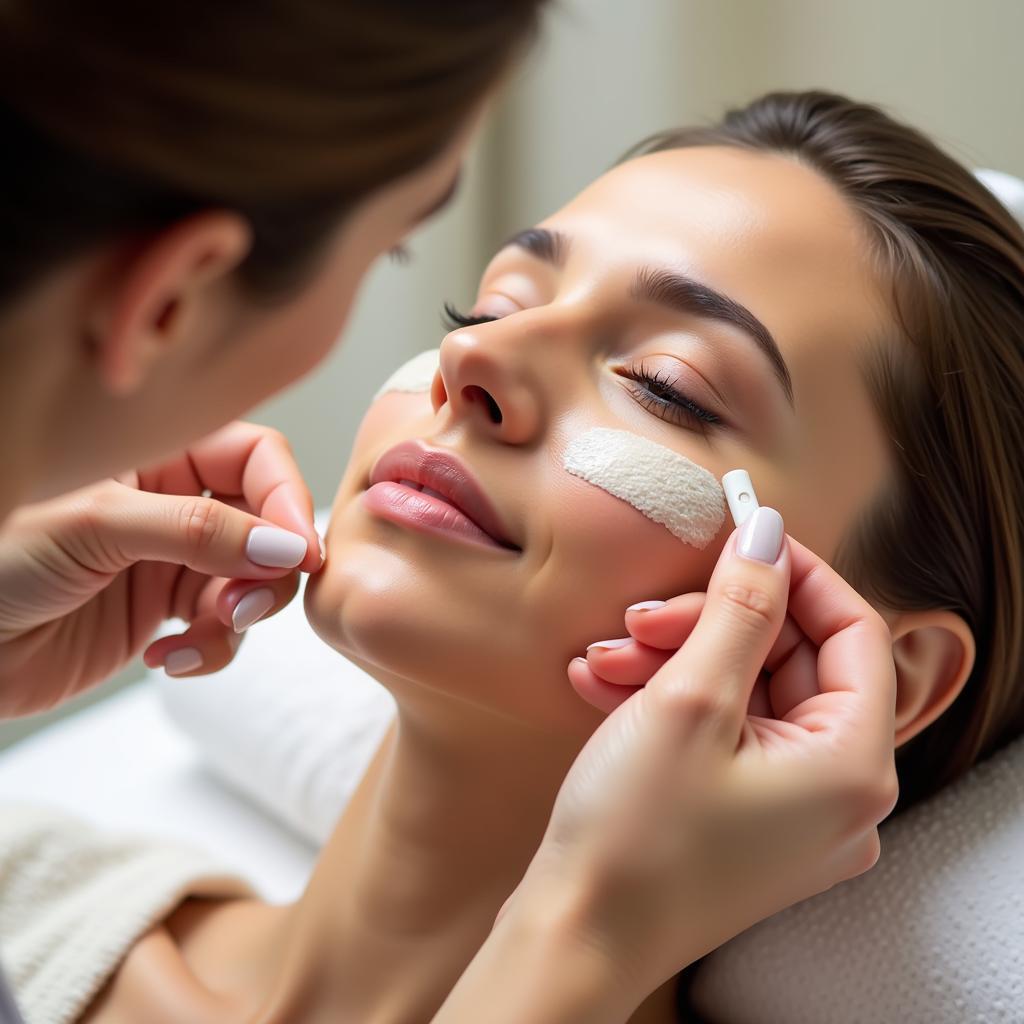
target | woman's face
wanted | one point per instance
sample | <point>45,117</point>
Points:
<point>601,324</point>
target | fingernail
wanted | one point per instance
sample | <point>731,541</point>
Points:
<point>184,659</point>
<point>323,548</point>
<point>252,607</point>
<point>611,645</point>
<point>646,606</point>
<point>761,536</point>
<point>275,548</point>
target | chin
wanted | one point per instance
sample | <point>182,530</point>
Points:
<point>411,632</point>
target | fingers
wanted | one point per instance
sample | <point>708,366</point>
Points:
<point>603,696</point>
<point>121,526</point>
<point>218,614</point>
<point>206,646</point>
<point>243,602</point>
<point>713,674</point>
<point>631,663</point>
<point>248,465</point>
<point>667,625</point>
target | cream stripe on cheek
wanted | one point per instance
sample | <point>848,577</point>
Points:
<point>415,375</point>
<point>659,483</point>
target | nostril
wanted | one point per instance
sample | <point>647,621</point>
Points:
<point>473,393</point>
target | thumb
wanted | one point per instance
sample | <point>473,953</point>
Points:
<point>718,665</point>
<point>126,526</point>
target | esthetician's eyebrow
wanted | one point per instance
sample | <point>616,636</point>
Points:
<point>680,292</point>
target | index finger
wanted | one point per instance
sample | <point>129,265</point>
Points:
<point>256,463</point>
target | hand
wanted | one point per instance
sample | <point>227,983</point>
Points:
<point>687,818</point>
<point>86,578</point>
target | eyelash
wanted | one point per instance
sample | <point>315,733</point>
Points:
<point>453,319</point>
<point>657,392</point>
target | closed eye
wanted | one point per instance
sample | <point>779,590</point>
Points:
<point>657,392</point>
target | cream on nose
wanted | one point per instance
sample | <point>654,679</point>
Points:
<point>659,483</point>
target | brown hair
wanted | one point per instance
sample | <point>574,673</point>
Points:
<point>948,532</point>
<point>118,116</point>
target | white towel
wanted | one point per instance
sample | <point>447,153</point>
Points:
<point>74,900</point>
<point>934,933</point>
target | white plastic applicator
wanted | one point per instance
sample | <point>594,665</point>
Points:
<point>739,493</point>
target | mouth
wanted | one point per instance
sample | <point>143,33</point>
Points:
<point>434,492</point>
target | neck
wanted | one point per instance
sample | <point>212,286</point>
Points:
<point>435,839</point>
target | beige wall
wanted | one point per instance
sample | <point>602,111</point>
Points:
<point>608,72</point>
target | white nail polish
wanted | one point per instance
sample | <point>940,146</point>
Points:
<point>275,548</point>
<point>252,607</point>
<point>184,659</point>
<point>646,606</point>
<point>611,645</point>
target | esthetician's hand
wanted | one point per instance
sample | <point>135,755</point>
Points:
<point>85,579</point>
<point>686,818</point>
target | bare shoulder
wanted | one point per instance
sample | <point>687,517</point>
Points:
<point>153,984</point>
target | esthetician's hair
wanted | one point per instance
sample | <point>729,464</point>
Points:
<point>119,117</point>
<point>948,533</point>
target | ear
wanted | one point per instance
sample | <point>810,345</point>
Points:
<point>934,654</point>
<point>153,301</point>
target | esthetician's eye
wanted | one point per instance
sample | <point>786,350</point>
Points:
<point>656,391</point>
<point>453,319</point>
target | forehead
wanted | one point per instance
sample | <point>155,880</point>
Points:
<point>762,227</point>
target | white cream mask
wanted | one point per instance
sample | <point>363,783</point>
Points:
<point>415,375</point>
<point>659,483</point>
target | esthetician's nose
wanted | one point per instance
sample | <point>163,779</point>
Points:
<point>487,385</point>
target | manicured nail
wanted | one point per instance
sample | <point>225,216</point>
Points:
<point>611,645</point>
<point>323,548</point>
<point>184,659</point>
<point>761,536</point>
<point>252,607</point>
<point>275,548</point>
<point>646,606</point>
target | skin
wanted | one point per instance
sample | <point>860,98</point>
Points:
<point>454,805</point>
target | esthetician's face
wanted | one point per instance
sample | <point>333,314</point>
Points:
<point>600,325</point>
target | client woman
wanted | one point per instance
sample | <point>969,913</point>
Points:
<point>810,291</point>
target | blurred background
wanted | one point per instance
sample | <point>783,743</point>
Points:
<point>602,76</point>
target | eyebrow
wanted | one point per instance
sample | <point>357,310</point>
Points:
<point>677,291</point>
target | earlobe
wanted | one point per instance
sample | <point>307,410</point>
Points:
<point>934,653</point>
<point>159,294</point>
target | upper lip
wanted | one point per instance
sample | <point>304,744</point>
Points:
<point>449,476</point>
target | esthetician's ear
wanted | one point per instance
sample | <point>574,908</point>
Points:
<point>164,289</point>
<point>934,654</point>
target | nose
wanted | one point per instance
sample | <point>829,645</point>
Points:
<point>489,384</point>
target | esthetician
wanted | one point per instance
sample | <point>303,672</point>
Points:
<point>190,196</point>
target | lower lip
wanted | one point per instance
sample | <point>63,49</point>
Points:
<point>422,512</point>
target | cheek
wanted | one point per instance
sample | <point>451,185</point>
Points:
<point>606,556</point>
